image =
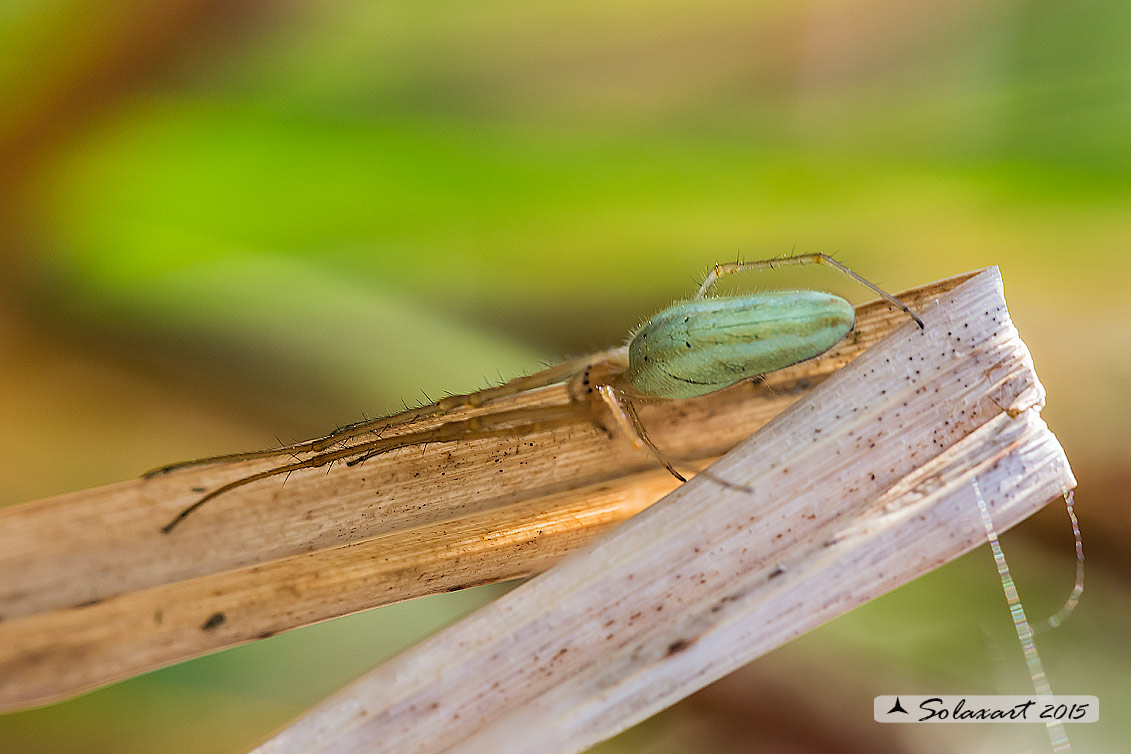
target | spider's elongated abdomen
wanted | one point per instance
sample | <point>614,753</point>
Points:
<point>700,346</point>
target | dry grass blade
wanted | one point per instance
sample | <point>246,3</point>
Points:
<point>862,485</point>
<point>94,593</point>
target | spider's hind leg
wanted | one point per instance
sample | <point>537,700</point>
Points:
<point>720,270</point>
<point>624,413</point>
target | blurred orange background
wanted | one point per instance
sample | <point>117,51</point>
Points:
<point>223,223</point>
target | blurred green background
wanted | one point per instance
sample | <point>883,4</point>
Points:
<point>223,223</point>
